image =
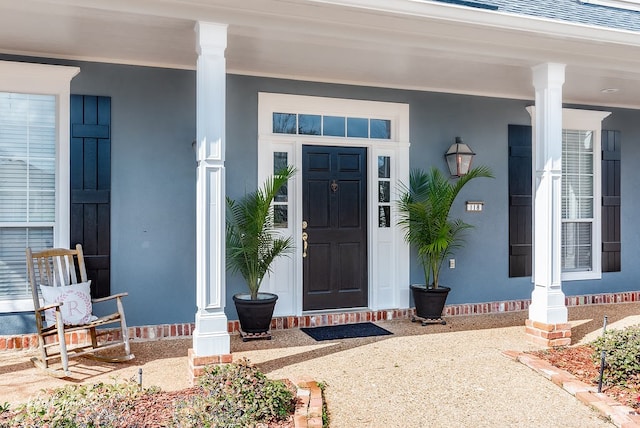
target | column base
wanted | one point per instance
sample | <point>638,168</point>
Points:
<point>197,364</point>
<point>211,336</point>
<point>548,335</point>
<point>548,305</point>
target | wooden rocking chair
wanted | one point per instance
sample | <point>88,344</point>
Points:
<point>62,272</point>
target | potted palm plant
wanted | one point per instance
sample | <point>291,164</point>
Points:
<point>252,245</point>
<point>424,207</point>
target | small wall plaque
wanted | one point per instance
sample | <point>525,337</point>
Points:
<point>475,206</point>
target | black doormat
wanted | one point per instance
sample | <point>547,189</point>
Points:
<point>345,331</point>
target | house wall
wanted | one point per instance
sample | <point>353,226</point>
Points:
<point>481,272</point>
<point>153,183</point>
<point>153,194</point>
<point>436,119</point>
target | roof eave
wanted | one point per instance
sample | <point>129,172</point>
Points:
<point>493,19</point>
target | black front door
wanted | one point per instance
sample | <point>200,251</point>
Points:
<point>335,215</point>
<point>91,187</point>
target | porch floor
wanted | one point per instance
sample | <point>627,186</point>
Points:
<point>435,375</point>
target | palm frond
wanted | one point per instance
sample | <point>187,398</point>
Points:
<point>252,242</point>
<point>424,207</point>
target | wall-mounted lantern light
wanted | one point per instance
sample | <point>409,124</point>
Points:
<point>459,157</point>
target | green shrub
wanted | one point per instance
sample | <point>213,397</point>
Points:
<point>622,354</point>
<point>98,405</point>
<point>235,395</point>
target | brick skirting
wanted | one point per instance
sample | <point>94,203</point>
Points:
<point>170,331</point>
<point>548,335</point>
<point>197,364</point>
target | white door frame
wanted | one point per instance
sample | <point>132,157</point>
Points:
<point>388,254</point>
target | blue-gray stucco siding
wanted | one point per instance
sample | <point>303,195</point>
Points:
<point>153,195</point>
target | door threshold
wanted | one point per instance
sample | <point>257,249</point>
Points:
<point>335,311</point>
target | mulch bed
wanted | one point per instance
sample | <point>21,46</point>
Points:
<point>156,410</point>
<point>578,360</point>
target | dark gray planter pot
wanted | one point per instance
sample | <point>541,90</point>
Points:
<point>255,315</point>
<point>430,303</point>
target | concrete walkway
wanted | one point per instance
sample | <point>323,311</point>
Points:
<point>445,379</point>
<point>431,376</point>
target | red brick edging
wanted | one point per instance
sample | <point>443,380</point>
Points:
<point>620,415</point>
<point>167,331</point>
<point>308,413</point>
<point>144,333</point>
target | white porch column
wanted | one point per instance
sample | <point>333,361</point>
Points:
<point>210,337</point>
<point>548,311</point>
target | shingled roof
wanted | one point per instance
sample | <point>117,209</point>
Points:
<point>562,10</point>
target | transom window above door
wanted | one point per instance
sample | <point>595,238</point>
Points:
<point>331,126</point>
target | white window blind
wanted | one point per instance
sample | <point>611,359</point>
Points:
<point>27,184</point>
<point>577,200</point>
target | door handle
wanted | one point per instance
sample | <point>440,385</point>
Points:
<point>304,244</point>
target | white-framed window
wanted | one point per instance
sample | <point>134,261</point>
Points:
<point>281,201</point>
<point>581,194</point>
<point>34,170</point>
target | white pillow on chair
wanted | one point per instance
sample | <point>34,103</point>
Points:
<point>76,298</point>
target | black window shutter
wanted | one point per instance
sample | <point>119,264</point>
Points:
<point>611,201</point>
<point>520,202</point>
<point>90,154</point>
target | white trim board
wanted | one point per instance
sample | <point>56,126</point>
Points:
<point>388,263</point>
<point>54,80</point>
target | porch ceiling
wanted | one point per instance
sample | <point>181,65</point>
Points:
<point>412,44</point>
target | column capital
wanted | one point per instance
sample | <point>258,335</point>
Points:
<point>211,37</point>
<point>548,75</point>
